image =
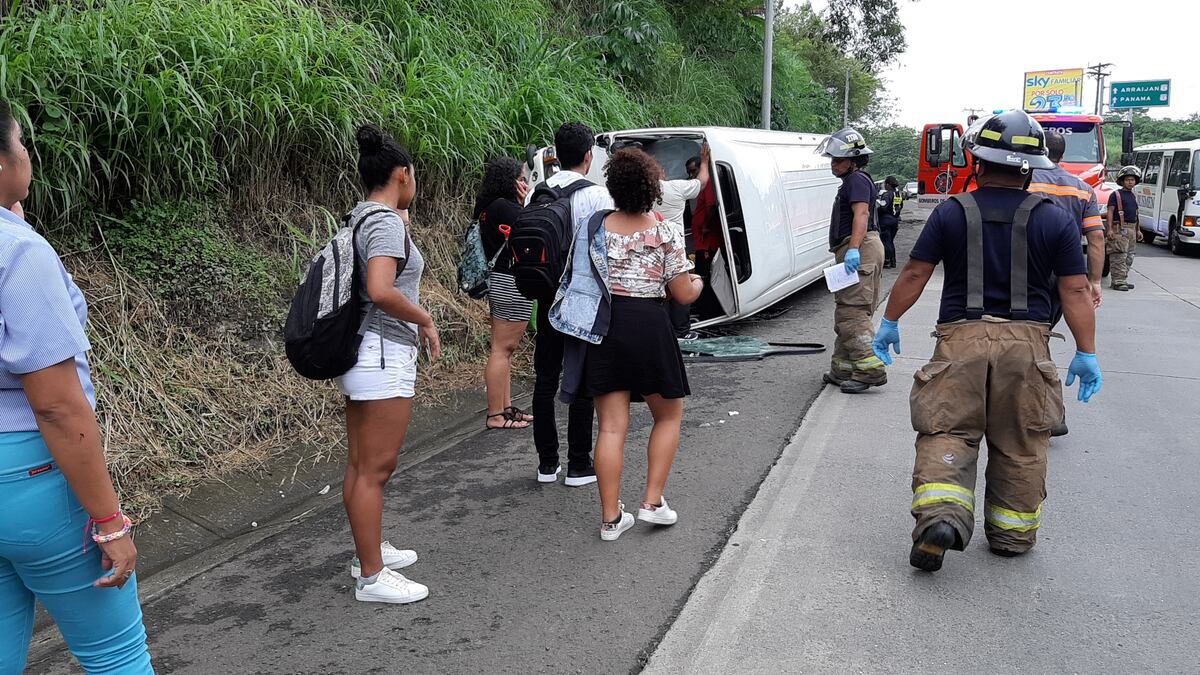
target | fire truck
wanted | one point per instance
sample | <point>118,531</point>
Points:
<point>945,167</point>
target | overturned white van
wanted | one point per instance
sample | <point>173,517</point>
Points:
<point>774,198</point>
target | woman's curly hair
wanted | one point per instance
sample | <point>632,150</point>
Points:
<point>500,180</point>
<point>633,180</point>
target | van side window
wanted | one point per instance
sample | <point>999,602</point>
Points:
<point>1181,169</point>
<point>1140,161</point>
<point>735,221</point>
<point>1153,166</point>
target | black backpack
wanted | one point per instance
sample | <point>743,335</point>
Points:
<point>325,324</point>
<point>541,240</point>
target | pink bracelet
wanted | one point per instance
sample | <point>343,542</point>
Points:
<point>106,538</point>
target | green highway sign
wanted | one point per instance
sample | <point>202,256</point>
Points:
<point>1140,94</point>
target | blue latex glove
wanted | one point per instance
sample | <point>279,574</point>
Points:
<point>852,260</point>
<point>888,335</point>
<point>1087,369</point>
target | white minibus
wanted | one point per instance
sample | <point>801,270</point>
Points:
<point>774,195</point>
<point>1167,203</point>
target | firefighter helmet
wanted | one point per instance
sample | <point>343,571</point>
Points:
<point>844,143</point>
<point>1127,171</point>
<point>1011,138</point>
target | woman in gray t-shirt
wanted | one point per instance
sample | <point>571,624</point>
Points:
<point>379,388</point>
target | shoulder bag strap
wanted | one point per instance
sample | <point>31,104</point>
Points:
<point>362,328</point>
<point>974,253</point>
<point>1019,272</point>
<point>1120,209</point>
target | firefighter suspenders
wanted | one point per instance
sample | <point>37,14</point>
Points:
<point>1019,243</point>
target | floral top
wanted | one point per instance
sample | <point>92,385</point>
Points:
<point>640,265</point>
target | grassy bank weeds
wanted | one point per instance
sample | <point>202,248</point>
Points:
<point>190,155</point>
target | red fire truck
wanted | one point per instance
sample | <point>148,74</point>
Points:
<point>944,166</point>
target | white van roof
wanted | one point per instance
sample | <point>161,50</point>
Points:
<point>1178,145</point>
<point>758,136</point>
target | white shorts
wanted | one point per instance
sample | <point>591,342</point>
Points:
<point>366,381</point>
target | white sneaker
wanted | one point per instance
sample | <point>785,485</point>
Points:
<point>549,477</point>
<point>393,558</point>
<point>610,531</point>
<point>657,515</point>
<point>390,587</point>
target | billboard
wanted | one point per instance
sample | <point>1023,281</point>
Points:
<point>1047,90</point>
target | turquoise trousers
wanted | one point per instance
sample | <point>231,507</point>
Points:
<point>42,557</point>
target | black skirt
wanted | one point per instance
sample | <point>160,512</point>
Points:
<point>640,353</point>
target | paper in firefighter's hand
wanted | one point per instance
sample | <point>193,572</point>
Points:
<point>838,277</point>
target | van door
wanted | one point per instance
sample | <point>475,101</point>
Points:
<point>1179,171</point>
<point>1147,191</point>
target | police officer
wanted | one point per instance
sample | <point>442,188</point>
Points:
<point>854,239</point>
<point>890,203</point>
<point>991,375</point>
<point>1121,222</point>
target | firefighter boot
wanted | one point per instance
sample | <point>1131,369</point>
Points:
<point>929,548</point>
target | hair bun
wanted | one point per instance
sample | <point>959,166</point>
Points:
<point>370,139</point>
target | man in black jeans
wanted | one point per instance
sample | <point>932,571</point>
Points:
<point>573,143</point>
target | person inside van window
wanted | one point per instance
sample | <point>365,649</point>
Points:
<point>379,389</point>
<point>854,239</point>
<point>639,358</point>
<point>499,203</point>
<point>63,539</point>
<point>1122,228</point>
<point>672,204</point>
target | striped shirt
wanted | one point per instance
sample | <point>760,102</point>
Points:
<point>42,318</point>
<point>1070,193</point>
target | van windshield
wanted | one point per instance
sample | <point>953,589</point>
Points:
<point>1083,142</point>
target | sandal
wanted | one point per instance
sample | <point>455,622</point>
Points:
<point>509,422</point>
<point>517,414</point>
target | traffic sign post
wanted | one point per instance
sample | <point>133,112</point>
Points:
<point>1139,94</point>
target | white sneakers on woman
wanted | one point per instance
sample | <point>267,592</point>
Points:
<point>654,514</point>
<point>393,558</point>
<point>390,587</point>
<point>657,515</point>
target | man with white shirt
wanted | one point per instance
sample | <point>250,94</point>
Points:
<point>675,196</point>
<point>573,143</point>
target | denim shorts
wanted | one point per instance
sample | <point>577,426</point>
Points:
<point>385,369</point>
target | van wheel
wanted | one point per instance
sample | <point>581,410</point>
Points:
<point>1173,242</point>
<point>1149,236</point>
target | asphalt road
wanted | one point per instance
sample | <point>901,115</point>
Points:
<point>519,580</point>
<point>816,578</point>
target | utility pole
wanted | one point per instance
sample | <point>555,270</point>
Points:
<point>846,101</point>
<point>768,47</point>
<point>1097,71</point>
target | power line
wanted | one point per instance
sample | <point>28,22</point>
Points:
<point>1097,71</point>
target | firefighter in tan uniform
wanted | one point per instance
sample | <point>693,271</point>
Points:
<point>1121,225</point>
<point>854,240</point>
<point>991,375</point>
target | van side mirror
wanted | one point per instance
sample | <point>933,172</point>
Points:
<point>1127,140</point>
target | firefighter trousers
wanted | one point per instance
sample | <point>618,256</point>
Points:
<point>988,379</point>
<point>1120,253</point>
<point>853,357</point>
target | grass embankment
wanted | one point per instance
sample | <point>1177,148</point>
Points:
<point>191,154</point>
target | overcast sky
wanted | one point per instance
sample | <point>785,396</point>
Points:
<point>966,54</point>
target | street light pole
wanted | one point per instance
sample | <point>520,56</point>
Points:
<point>846,101</point>
<point>768,47</point>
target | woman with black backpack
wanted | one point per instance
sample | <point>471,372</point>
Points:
<point>496,208</point>
<point>380,387</point>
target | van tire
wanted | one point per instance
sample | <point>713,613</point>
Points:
<point>1149,236</point>
<point>1173,242</point>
